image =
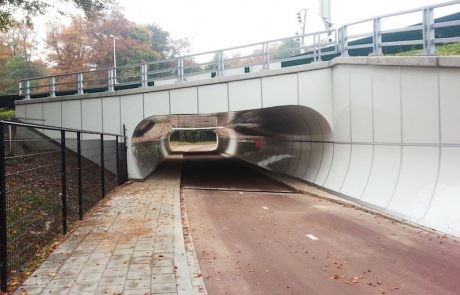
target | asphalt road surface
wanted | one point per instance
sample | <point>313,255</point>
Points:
<point>255,236</point>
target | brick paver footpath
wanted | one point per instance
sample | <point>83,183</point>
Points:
<point>131,244</point>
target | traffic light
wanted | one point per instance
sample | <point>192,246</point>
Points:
<point>299,17</point>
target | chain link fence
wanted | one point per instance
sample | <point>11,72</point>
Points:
<point>49,178</point>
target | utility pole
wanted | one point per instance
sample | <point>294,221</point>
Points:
<point>303,21</point>
<point>325,12</point>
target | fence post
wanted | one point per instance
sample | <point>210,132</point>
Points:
<point>144,76</point>
<point>102,167</point>
<point>52,86</point>
<point>180,69</point>
<point>3,225</point>
<point>27,89</point>
<point>125,155</point>
<point>221,63</point>
<point>117,160</point>
<point>343,41</point>
<point>110,84</point>
<point>80,83</point>
<point>315,47</point>
<point>429,45</point>
<point>377,38</point>
<point>80,189</point>
<point>64,183</point>
<point>20,88</point>
<point>266,56</point>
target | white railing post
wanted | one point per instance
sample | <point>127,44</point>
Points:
<point>110,84</point>
<point>377,37</point>
<point>343,41</point>
<point>319,47</point>
<point>80,83</point>
<point>20,88</point>
<point>28,89</point>
<point>144,78</point>
<point>429,45</point>
<point>52,86</point>
<point>221,65</point>
<point>266,56</point>
<point>180,69</point>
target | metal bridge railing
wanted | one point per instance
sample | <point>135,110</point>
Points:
<point>50,177</point>
<point>277,53</point>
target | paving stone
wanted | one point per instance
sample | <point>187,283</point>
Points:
<point>163,278</point>
<point>89,277</point>
<point>112,281</point>
<point>137,284</point>
<point>163,288</point>
<point>116,272</point>
<point>162,269</point>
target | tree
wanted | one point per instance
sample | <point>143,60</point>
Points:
<point>86,43</point>
<point>17,47</point>
<point>30,8</point>
<point>163,43</point>
<point>17,68</point>
<point>287,49</point>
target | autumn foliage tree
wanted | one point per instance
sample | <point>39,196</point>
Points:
<point>86,43</point>
<point>17,46</point>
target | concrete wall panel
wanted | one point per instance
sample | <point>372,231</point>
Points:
<point>341,104</point>
<point>449,89</point>
<point>315,91</point>
<point>384,175</point>
<point>387,104</point>
<point>420,111</point>
<point>339,168</point>
<point>20,111</point>
<point>313,163</point>
<point>416,181</point>
<point>34,113</point>
<point>156,103</point>
<point>111,115</point>
<point>361,104</point>
<point>52,114</point>
<point>279,90</point>
<point>245,95</point>
<point>131,115</point>
<point>358,172</point>
<point>71,114</point>
<point>92,110</point>
<point>326,162</point>
<point>445,207</point>
<point>213,98</point>
<point>184,101</point>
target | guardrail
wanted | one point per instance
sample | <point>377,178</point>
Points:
<point>49,177</point>
<point>265,55</point>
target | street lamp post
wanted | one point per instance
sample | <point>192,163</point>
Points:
<point>114,58</point>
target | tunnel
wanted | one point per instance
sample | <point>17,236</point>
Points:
<point>293,140</point>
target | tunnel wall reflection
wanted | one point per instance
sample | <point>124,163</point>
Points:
<point>293,140</point>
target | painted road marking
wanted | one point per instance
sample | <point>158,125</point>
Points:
<point>265,207</point>
<point>312,237</point>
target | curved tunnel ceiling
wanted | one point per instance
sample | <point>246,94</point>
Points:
<point>299,123</point>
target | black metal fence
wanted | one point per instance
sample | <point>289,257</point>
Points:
<point>49,177</point>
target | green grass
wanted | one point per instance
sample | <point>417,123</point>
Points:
<point>4,113</point>
<point>442,50</point>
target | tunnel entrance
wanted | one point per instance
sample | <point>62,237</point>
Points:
<point>292,139</point>
<point>192,140</point>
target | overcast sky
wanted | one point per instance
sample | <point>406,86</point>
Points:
<point>215,24</point>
